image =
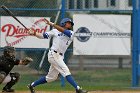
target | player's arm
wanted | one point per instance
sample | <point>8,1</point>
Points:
<point>18,62</point>
<point>34,33</point>
<point>45,35</point>
<point>59,28</point>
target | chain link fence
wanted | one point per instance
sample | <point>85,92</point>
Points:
<point>79,65</point>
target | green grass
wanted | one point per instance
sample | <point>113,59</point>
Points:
<point>98,79</point>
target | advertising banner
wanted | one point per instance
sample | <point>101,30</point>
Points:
<point>14,34</point>
<point>103,34</point>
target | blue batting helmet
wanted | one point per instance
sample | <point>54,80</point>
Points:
<point>63,21</point>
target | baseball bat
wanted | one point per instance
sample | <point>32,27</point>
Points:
<point>11,14</point>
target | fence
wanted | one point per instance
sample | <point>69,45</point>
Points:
<point>135,56</point>
<point>66,8</point>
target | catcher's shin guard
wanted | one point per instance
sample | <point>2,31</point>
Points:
<point>8,90</point>
<point>14,79</point>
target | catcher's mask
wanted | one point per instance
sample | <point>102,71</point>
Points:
<point>65,20</point>
<point>9,51</point>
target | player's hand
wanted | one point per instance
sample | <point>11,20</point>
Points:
<point>31,32</point>
<point>48,22</point>
<point>26,61</point>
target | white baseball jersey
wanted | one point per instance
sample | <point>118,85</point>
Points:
<point>60,40</point>
<point>60,43</point>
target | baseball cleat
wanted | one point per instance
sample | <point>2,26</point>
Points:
<point>81,91</point>
<point>31,88</point>
<point>8,90</point>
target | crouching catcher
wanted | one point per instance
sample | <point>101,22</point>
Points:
<point>7,62</point>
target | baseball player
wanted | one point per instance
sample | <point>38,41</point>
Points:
<point>62,38</point>
<point>7,62</point>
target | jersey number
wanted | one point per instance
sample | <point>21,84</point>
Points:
<point>67,43</point>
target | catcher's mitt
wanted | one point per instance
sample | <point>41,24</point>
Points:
<point>26,60</point>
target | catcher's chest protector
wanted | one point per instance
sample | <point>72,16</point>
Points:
<point>6,65</point>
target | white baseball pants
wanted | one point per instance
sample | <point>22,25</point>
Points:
<point>57,66</point>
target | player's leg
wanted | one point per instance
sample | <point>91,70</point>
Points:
<point>51,76</point>
<point>60,65</point>
<point>7,79</point>
<point>2,76</point>
<point>11,80</point>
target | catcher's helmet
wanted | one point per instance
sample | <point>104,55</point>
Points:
<point>8,49</point>
<point>63,22</point>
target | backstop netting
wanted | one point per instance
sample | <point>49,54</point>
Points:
<point>100,57</point>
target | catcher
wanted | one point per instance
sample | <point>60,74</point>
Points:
<point>7,62</point>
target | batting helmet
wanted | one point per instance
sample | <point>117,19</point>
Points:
<point>8,49</point>
<point>63,22</point>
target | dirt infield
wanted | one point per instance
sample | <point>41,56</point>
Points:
<point>74,92</point>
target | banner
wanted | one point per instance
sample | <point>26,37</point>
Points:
<point>14,34</point>
<point>104,34</point>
